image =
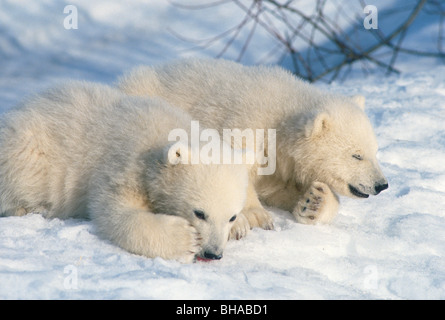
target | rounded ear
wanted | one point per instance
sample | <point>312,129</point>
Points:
<point>315,127</point>
<point>359,100</point>
<point>176,153</point>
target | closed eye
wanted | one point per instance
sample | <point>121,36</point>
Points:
<point>233,218</point>
<point>199,214</point>
<point>357,156</point>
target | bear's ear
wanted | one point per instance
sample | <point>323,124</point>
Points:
<point>359,100</point>
<point>315,127</point>
<point>176,153</point>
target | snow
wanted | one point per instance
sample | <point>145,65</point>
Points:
<point>386,247</point>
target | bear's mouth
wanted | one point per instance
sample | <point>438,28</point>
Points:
<point>198,258</point>
<point>356,192</point>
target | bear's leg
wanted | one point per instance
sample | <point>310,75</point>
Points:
<point>252,216</point>
<point>148,234</point>
<point>318,205</point>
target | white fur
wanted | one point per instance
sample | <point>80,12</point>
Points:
<point>87,150</point>
<point>317,132</point>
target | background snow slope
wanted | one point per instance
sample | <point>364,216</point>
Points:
<point>389,246</point>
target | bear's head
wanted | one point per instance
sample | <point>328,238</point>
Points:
<point>338,146</point>
<point>209,196</point>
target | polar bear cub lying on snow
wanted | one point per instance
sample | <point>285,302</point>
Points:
<point>87,150</point>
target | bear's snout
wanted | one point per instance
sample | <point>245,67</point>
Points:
<point>380,187</point>
<point>212,256</point>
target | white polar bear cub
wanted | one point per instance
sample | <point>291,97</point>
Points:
<point>88,151</point>
<point>325,144</point>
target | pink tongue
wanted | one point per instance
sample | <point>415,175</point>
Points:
<point>203,259</point>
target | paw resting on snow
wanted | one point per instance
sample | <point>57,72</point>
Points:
<point>240,228</point>
<point>318,205</point>
<point>253,217</point>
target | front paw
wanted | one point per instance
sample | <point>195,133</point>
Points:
<point>258,217</point>
<point>253,217</point>
<point>182,241</point>
<point>240,228</point>
<point>318,205</point>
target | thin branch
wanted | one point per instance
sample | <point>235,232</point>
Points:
<point>396,50</point>
<point>237,29</point>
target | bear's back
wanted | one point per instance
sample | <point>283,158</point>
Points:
<point>53,142</point>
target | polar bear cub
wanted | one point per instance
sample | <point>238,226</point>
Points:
<point>325,144</point>
<point>86,150</point>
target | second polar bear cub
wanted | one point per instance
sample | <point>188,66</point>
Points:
<point>325,144</point>
<point>87,150</point>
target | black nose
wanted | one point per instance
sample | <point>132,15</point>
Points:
<point>211,255</point>
<point>380,187</point>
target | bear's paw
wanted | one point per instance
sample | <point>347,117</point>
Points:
<point>319,205</point>
<point>182,242</point>
<point>240,228</point>
<point>258,217</point>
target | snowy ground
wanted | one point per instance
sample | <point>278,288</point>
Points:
<point>386,247</point>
